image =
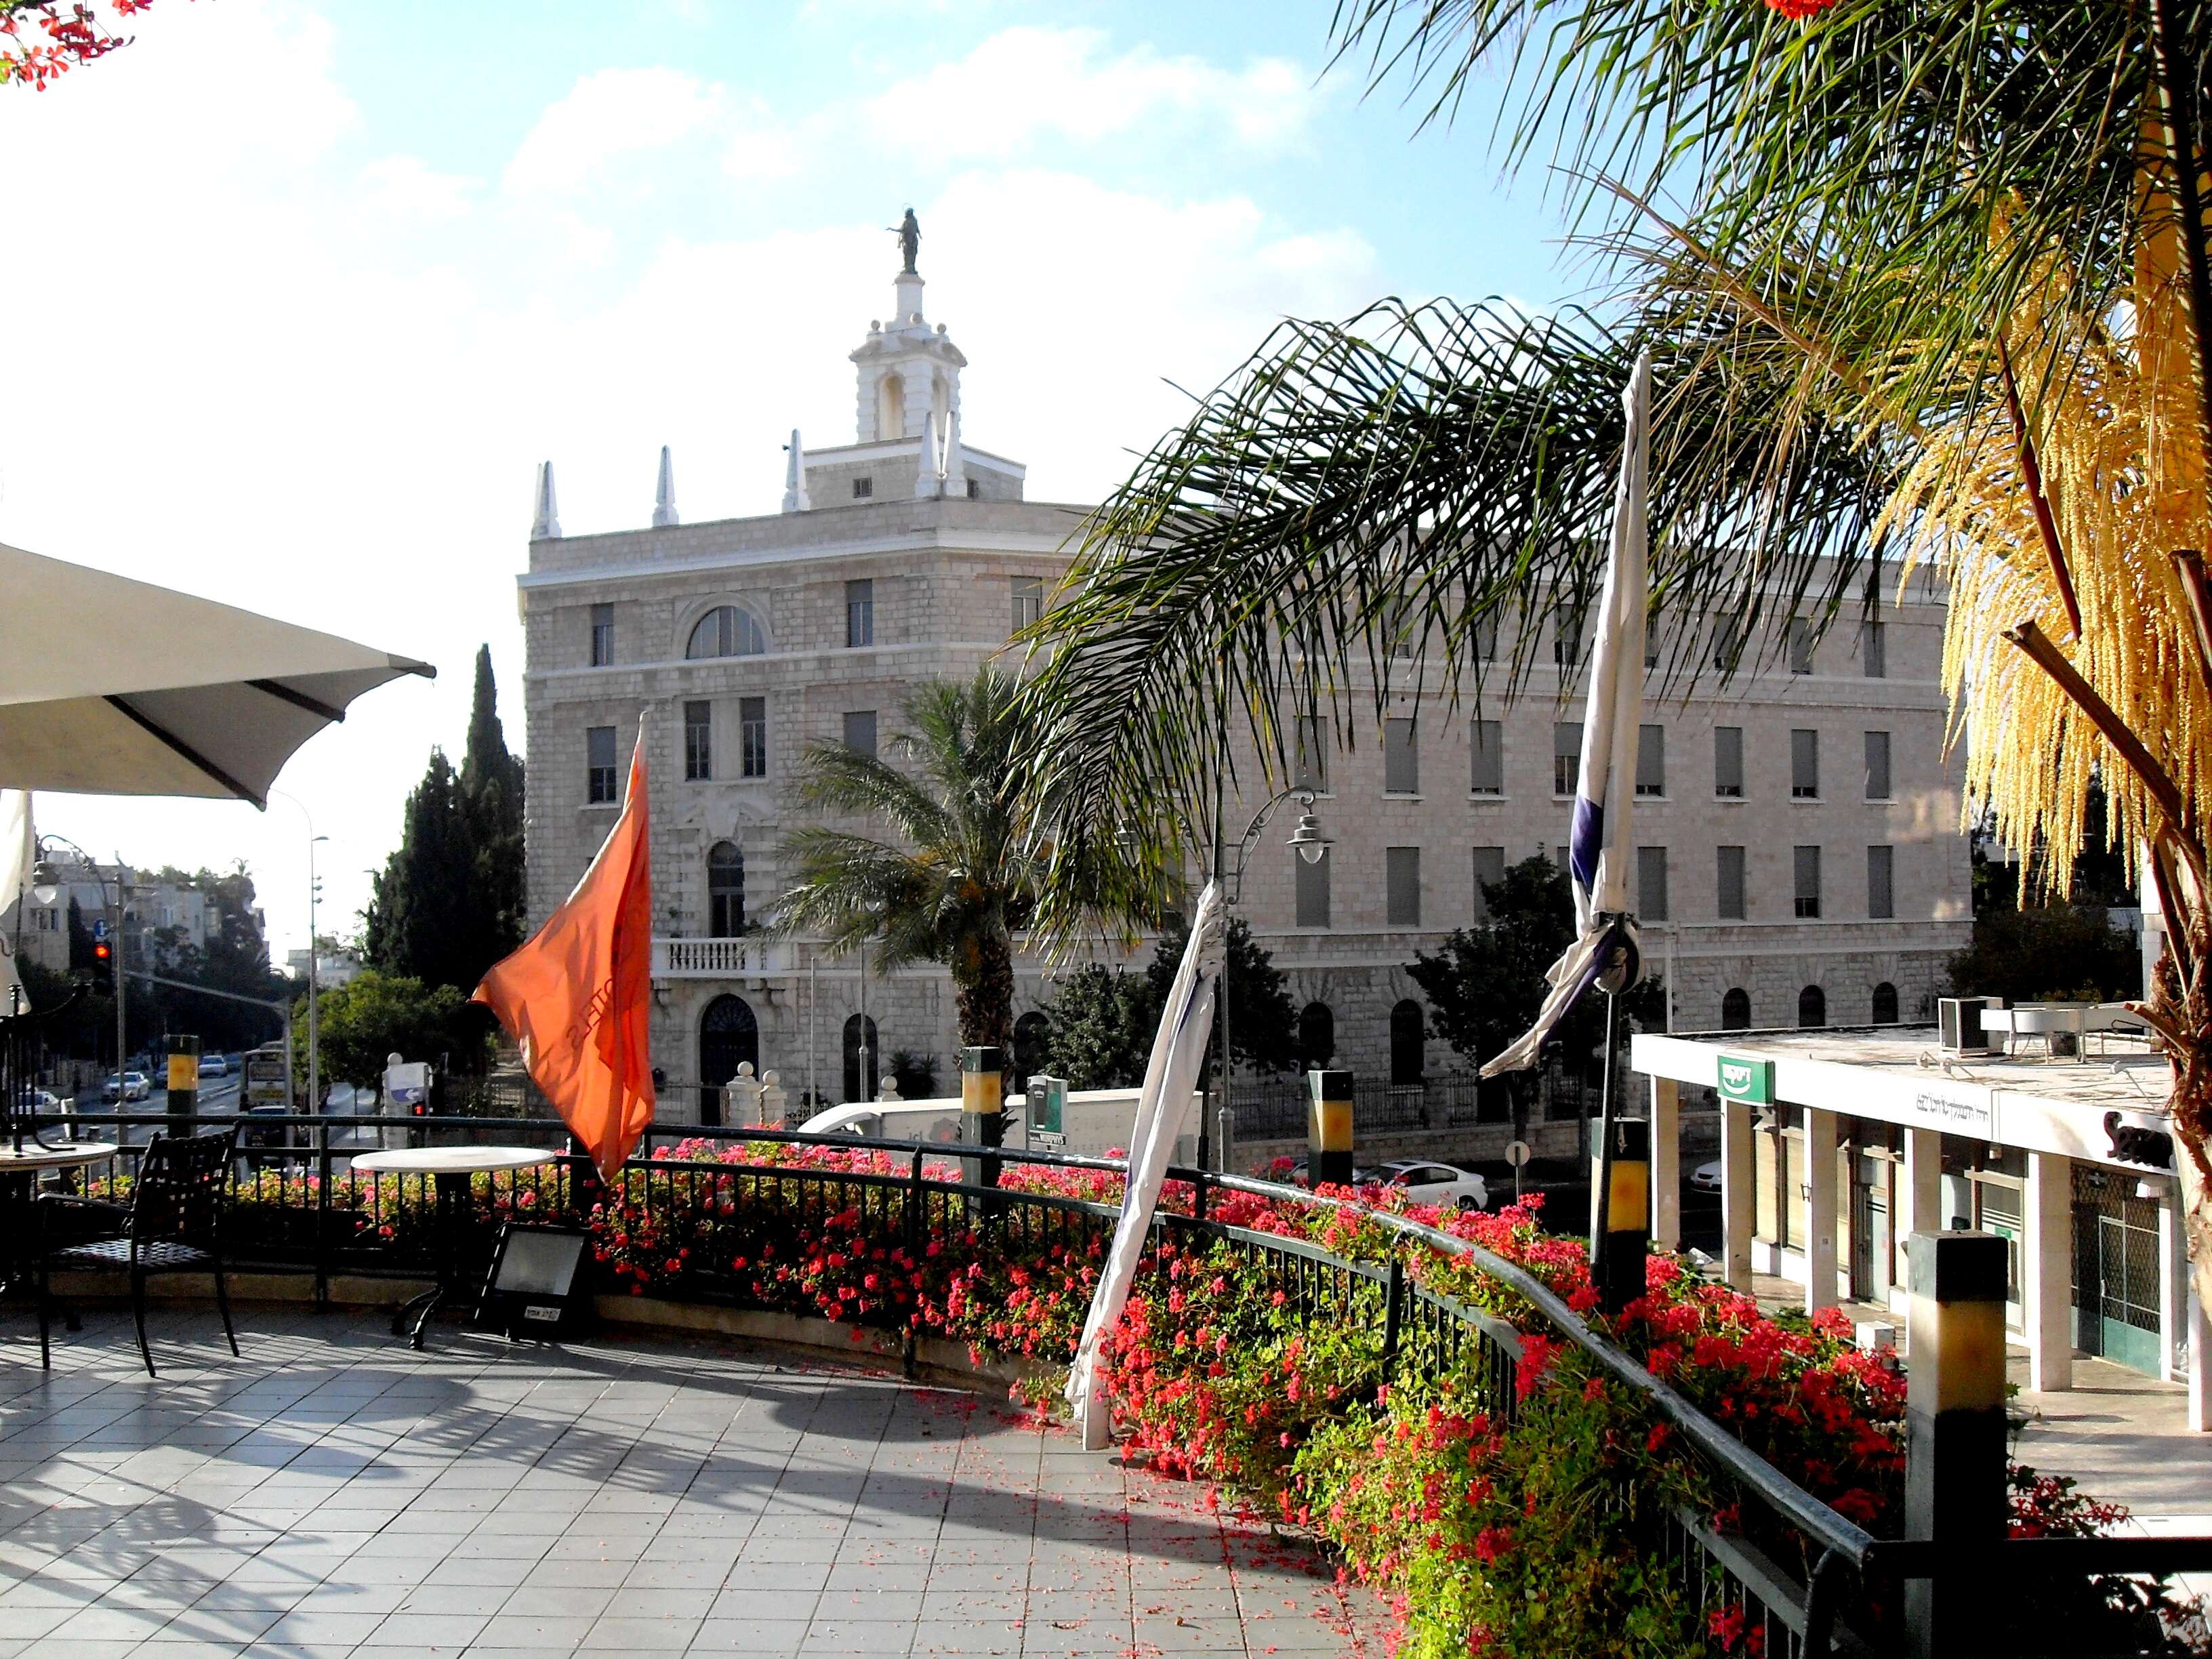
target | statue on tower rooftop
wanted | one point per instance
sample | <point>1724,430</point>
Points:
<point>909,232</point>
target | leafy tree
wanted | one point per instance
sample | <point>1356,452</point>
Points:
<point>2048,952</point>
<point>1102,1024</point>
<point>1484,986</point>
<point>374,1015</point>
<point>449,901</point>
<point>965,873</point>
<point>1263,1023</point>
<point>916,1074</point>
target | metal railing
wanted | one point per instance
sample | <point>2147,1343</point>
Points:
<point>305,1210</point>
<point>1275,1109</point>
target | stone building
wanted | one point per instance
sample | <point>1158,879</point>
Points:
<point>1799,856</point>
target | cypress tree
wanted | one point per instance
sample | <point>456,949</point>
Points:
<point>491,794</point>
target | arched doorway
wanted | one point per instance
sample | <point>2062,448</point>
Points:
<point>1032,1047</point>
<point>729,1036</point>
<point>1409,1060</point>
<point>1735,1010</point>
<point>1317,1035</point>
<point>1885,1004</point>
<point>1811,1007</point>
<point>863,1059</point>
<point>726,891</point>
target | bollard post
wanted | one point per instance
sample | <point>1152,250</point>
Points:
<point>982,1109</point>
<point>1954,1430</point>
<point>1625,1243</point>
<point>1328,1127</point>
<point>184,1083</point>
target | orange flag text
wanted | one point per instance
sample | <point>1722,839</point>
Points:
<point>576,997</point>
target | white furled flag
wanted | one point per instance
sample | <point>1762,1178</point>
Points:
<point>1599,848</point>
<point>19,851</point>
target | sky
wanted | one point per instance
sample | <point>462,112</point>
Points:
<point>306,292</point>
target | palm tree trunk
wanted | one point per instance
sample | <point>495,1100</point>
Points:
<point>983,989</point>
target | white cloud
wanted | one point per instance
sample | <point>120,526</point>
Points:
<point>405,189</point>
<point>612,113</point>
<point>1025,81</point>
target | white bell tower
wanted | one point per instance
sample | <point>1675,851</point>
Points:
<point>908,386</point>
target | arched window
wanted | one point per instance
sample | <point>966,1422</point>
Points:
<point>1317,1035</point>
<point>726,891</point>
<point>1885,1004</point>
<point>1032,1048</point>
<point>1811,1007</point>
<point>729,1036</point>
<point>1735,1010</point>
<point>1409,1046</point>
<point>864,1060</point>
<point>728,630</point>
<point>891,407</point>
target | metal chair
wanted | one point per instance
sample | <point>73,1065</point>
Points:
<point>171,1225</point>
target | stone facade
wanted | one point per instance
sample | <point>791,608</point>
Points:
<point>854,596</point>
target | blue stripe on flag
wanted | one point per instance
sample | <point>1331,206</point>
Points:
<point>1585,840</point>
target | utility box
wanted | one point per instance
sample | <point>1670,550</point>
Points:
<point>1958,1023</point>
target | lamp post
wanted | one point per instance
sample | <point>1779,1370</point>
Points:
<point>46,884</point>
<point>314,1050</point>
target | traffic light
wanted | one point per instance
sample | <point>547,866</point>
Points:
<point>99,950</point>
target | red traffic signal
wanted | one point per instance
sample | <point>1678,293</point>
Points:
<point>99,950</point>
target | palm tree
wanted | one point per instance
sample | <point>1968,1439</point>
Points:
<point>1936,289</point>
<point>962,877</point>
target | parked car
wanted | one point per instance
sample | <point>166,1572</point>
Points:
<point>134,1086</point>
<point>44,1101</point>
<point>1706,1177</point>
<point>1427,1183</point>
<point>215,1065</point>
<point>1361,1175</point>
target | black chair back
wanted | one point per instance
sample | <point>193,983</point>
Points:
<point>183,1183</point>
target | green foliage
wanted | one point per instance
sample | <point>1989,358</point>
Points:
<point>1484,986</point>
<point>450,900</point>
<point>2048,952</point>
<point>962,874</point>
<point>916,1074</point>
<point>378,1014</point>
<point>1263,1023</point>
<point>1102,1024</point>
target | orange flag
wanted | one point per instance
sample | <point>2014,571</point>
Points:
<point>576,997</point>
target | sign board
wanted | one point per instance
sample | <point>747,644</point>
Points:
<point>1518,1153</point>
<point>408,1085</point>
<point>99,927</point>
<point>1049,1106</point>
<point>1750,1081</point>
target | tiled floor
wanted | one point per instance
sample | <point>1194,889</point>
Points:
<point>334,1492</point>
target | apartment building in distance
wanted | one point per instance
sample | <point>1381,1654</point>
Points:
<point>1799,855</point>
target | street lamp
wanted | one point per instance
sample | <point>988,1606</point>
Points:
<point>314,1047</point>
<point>1309,841</point>
<point>47,882</point>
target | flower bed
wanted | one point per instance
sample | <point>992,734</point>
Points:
<point>1499,1528</point>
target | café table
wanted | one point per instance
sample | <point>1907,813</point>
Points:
<point>452,1170</point>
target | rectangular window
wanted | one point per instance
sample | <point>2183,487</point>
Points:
<point>602,635</point>
<point>1874,649</point>
<point>1567,642</point>
<point>1877,767</point>
<point>1489,870</point>
<point>1485,638</point>
<point>860,614</point>
<point>1313,740</point>
<point>1728,643</point>
<point>1402,883</point>
<point>1486,748</point>
<point>863,489</point>
<point>1807,881</point>
<point>1560,857</point>
<point>1566,757</point>
<point>1804,765</point>
<point>1028,600</point>
<point>1728,762</point>
<point>752,736</point>
<point>1650,760</point>
<point>1730,883</point>
<point>860,730</point>
<point>698,742</point>
<point>1313,891</point>
<point>599,786</point>
<point>1402,759</point>
<point>1800,646</point>
<point>1651,883</point>
<point>1881,884</point>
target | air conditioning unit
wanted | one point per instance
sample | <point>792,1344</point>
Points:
<point>1959,1020</point>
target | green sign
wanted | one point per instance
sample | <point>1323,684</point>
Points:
<point>1751,1081</point>
<point>1048,1104</point>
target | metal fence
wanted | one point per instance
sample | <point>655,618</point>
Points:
<point>1275,1109</point>
<point>310,1214</point>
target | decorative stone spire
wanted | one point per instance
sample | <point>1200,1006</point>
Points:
<point>664,494</point>
<point>546,526</point>
<point>955,470</point>
<point>929,476</point>
<point>794,476</point>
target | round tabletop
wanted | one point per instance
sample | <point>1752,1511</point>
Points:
<point>451,1160</point>
<point>35,1156</point>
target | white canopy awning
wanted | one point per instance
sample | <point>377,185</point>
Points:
<point>115,687</point>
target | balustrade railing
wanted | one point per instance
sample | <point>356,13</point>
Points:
<point>715,958</point>
<point>305,1210</point>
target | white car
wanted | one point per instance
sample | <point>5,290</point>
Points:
<point>1437,1183</point>
<point>1706,1177</point>
<point>134,1086</point>
<point>214,1065</point>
